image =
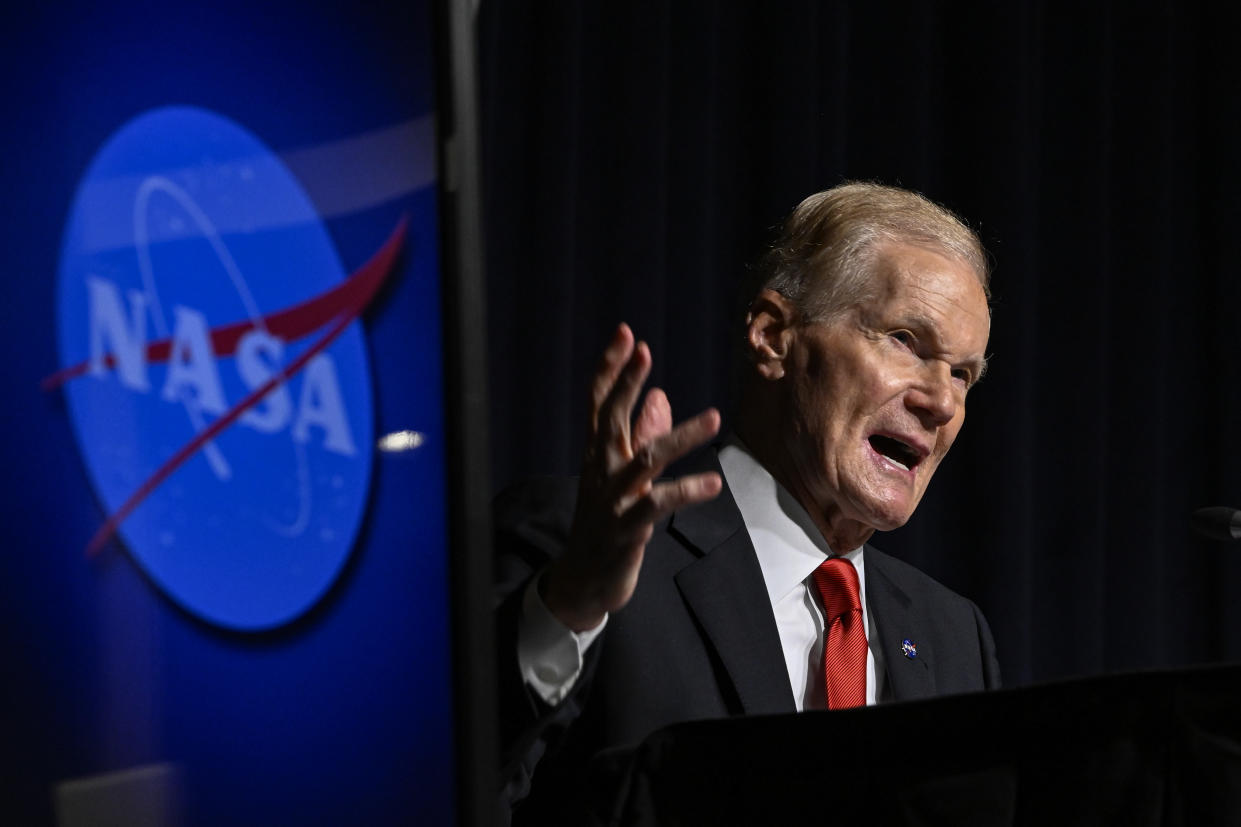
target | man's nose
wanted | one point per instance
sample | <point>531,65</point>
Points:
<point>933,398</point>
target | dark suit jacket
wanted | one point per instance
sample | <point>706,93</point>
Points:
<point>697,640</point>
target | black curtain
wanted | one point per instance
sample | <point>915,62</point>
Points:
<point>638,156</point>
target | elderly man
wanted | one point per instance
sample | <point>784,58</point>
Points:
<point>746,586</point>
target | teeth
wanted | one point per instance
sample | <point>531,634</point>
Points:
<point>895,451</point>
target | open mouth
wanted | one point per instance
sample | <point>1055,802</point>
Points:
<point>900,453</point>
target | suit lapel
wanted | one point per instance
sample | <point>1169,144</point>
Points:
<point>895,619</point>
<point>725,592</point>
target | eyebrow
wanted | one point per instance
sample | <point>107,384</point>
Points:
<point>982,366</point>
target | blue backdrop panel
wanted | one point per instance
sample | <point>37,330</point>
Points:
<point>222,288</point>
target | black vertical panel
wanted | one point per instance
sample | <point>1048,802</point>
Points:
<point>465,395</point>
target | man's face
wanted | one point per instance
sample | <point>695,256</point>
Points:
<point>878,393</point>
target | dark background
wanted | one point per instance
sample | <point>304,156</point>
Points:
<point>638,157</point>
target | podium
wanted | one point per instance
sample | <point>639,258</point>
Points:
<point>1159,748</point>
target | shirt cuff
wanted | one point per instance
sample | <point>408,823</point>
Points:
<point>549,653</point>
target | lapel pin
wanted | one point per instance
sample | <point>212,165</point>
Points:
<point>909,648</point>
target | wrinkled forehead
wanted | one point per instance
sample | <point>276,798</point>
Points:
<point>919,283</point>
<point>887,252</point>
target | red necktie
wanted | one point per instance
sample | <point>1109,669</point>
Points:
<point>844,651</point>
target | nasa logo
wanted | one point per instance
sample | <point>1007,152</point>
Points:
<point>216,376</point>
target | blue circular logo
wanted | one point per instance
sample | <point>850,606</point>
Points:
<point>216,376</point>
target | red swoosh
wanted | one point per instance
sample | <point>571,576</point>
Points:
<point>289,324</point>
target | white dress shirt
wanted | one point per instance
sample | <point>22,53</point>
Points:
<point>789,549</point>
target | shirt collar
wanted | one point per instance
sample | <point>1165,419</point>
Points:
<point>787,542</point>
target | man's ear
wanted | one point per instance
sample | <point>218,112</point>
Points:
<point>769,332</point>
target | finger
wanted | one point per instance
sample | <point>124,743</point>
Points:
<point>656,455</point>
<point>653,420</point>
<point>617,409</point>
<point>614,358</point>
<point>667,497</point>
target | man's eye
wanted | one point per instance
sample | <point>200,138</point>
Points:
<point>963,375</point>
<point>904,337</point>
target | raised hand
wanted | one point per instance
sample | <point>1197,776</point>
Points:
<point>618,500</point>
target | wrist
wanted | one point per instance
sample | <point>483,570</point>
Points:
<point>567,600</point>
